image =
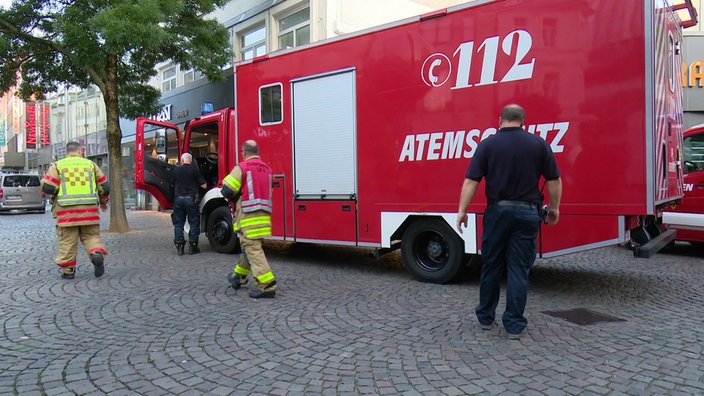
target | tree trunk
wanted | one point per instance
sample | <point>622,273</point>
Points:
<point>118,217</point>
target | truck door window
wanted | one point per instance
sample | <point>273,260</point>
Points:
<point>270,104</point>
<point>161,144</point>
<point>203,145</point>
<point>694,153</point>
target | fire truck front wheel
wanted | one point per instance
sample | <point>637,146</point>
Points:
<point>432,251</point>
<point>220,234</point>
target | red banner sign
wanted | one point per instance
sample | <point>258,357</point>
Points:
<point>44,135</point>
<point>31,127</point>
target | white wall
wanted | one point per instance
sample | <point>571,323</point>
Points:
<point>346,16</point>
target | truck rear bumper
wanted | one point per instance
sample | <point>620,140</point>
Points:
<point>687,221</point>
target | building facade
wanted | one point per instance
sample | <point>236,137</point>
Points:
<point>34,134</point>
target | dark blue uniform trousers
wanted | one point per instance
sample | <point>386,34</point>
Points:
<point>508,246</point>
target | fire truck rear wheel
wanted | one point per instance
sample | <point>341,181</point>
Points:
<point>432,251</point>
<point>220,234</point>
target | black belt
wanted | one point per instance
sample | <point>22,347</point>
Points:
<point>524,204</point>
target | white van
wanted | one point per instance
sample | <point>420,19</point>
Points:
<point>21,192</point>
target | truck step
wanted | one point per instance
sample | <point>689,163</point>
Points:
<point>654,245</point>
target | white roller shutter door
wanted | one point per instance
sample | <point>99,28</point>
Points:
<point>324,135</point>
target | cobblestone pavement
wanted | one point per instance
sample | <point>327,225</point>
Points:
<point>342,323</point>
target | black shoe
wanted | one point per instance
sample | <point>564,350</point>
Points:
<point>193,248</point>
<point>514,336</point>
<point>98,268</point>
<point>236,280</point>
<point>179,247</point>
<point>258,293</point>
<point>68,273</point>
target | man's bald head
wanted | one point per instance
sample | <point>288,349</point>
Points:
<point>250,147</point>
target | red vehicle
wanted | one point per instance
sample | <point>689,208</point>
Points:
<point>370,134</point>
<point>688,216</point>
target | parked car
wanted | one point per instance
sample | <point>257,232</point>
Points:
<point>21,192</point>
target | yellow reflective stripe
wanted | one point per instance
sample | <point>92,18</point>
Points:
<point>257,232</point>
<point>266,278</point>
<point>242,271</point>
<point>256,220</point>
<point>68,200</point>
<point>232,182</point>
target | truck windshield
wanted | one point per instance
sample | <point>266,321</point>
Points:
<point>694,153</point>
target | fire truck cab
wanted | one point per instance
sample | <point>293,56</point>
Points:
<point>688,216</point>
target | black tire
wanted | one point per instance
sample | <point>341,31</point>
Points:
<point>640,236</point>
<point>220,234</point>
<point>432,251</point>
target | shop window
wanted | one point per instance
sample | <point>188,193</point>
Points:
<point>168,79</point>
<point>253,43</point>
<point>188,76</point>
<point>294,29</point>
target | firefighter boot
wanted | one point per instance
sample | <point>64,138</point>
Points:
<point>268,292</point>
<point>258,293</point>
<point>98,268</point>
<point>179,247</point>
<point>68,272</point>
<point>193,247</point>
<point>236,280</point>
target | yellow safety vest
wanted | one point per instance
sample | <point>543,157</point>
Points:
<point>78,184</point>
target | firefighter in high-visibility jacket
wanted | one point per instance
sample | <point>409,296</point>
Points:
<point>249,184</point>
<point>78,186</point>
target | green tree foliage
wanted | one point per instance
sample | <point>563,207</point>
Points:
<point>114,45</point>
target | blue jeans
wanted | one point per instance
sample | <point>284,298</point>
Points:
<point>186,206</point>
<point>508,247</point>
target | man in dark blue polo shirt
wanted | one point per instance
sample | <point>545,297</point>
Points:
<point>186,178</point>
<point>512,161</point>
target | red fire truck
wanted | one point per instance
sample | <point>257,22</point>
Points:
<point>370,134</point>
<point>687,217</point>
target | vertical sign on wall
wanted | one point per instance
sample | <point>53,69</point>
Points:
<point>31,127</point>
<point>3,141</point>
<point>44,136</point>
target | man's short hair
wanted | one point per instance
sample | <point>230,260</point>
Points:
<point>186,157</point>
<point>513,113</point>
<point>73,147</point>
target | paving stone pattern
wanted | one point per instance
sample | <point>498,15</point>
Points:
<point>342,323</point>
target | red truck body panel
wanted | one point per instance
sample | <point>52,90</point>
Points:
<point>370,131</point>
<point>595,91</point>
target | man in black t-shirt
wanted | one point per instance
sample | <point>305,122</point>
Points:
<point>512,162</point>
<point>186,179</point>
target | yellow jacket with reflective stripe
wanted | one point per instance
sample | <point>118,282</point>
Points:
<point>81,211</point>
<point>253,225</point>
